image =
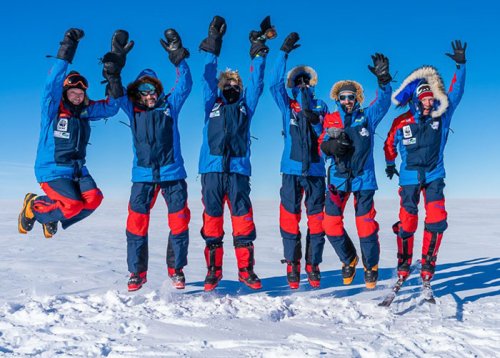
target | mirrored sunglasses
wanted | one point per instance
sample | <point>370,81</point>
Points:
<point>347,97</point>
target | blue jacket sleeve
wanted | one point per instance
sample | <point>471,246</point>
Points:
<point>278,89</point>
<point>209,82</point>
<point>256,86</point>
<point>53,90</point>
<point>456,90</point>
<point>102,109</point>
<point>183,86</point>
<point>379,107</point>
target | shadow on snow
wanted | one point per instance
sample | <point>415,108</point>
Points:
<point>480,275</point>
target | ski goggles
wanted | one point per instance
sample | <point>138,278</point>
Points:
<point>347,97</point>
<point>76,80</point>
<point>147,93</point>
<point>146,89</point>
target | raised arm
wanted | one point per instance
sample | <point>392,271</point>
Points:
<point>209,82</point>
<point>457,84</point>
<point>54,85</point>
<point>256,85</point>
<point>212,45</point>
<point>177,55</point>
<point>379,107</point>
<point>278,89</point>
<point>258,53</point>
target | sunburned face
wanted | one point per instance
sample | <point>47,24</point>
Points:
<point>427,105</point>
<point>75,96</point>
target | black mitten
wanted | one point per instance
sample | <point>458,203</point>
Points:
<point>69,44</point>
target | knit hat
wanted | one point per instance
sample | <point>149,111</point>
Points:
<point>348,87</point>
<point>424,90</point>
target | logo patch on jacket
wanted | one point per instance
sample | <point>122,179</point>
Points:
<point>214,113</point>
<point>62,125</point>
<point>243,110</point>
<point>167,112</point>
<point>63,135</point>
<point>435,125</point>
<point>407,132</point>
<point>364,132</point>
<point>409,141</point>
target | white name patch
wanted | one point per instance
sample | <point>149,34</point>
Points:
<point>409,141</point>
<point>214,114</point>
<point>63,135</point>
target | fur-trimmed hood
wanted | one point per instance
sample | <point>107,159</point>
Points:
<point>299,70</point>
<point>406,93</point>
<point>228,75</point>
<point>334,92</point>
<point>145,76</point>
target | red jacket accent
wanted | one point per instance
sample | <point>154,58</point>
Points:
<point>390,148</point>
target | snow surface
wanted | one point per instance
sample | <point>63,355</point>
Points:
<point>67,296</point>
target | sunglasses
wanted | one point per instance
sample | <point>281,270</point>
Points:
<point>147,93</point>
<point>231,87</point>
<point>347,97</point>
<point>76,80</point>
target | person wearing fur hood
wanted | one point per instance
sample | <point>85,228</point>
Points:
<point>302,166</point>
<point>348,142</point>
<point>225,152</point>
<point>158,164</point>
<point>420,135</point>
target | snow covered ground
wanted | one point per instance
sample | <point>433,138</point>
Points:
<point>67,296</point>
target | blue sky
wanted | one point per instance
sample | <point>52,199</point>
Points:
<point>337,40</point>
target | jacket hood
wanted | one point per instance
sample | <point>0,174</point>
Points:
<point>300,70</point>
<point>334,92</point>
<point>145,76</point>
<point>406,93</point>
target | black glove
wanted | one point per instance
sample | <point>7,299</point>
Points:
<point>290,42</point>
<point>69,44</point>
<point>114,61</point>
<point>216,30</point>
<point>380,69</point>
<point>337,147</point>
<point>258,38</point>
<point>390,170</point>
<point>173,45</point>
<point>311,116</point>
<point>458,52</point>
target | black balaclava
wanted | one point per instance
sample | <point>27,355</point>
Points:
<point>231,93</point>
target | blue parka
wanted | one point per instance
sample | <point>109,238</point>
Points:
<point>222,135</point>
<point>64,134</point>
<point>301,152</point>
<point>358,172</point>
<point>155,132</point>
<point>421,139</point>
